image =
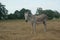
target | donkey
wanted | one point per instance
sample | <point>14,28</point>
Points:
<point>34,19</point>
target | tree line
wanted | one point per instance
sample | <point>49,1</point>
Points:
<point>19,14</point>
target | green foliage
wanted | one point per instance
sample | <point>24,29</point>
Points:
<point>19,14</point>
<point>11,16</point>
<point>50,14</point>
<point>16,14</point>
<point>39,11</point>
<point>3,11</point>
<point>22,11</point>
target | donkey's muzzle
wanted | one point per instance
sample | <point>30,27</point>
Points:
<point>26,20</point>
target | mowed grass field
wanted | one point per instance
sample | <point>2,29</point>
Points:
<point>20,30</point>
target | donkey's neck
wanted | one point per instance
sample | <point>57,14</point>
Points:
<point>32,18</point>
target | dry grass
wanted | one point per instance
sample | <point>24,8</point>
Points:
<point>19,30</point>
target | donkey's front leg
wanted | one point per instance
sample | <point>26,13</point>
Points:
<point>44,26</point>
<point>34,27</point>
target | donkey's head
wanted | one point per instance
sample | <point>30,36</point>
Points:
<point>27,16</point>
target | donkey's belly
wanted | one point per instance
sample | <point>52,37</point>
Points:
<point>38,21</point>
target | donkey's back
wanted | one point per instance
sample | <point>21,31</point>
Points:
<point>41,17</point>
